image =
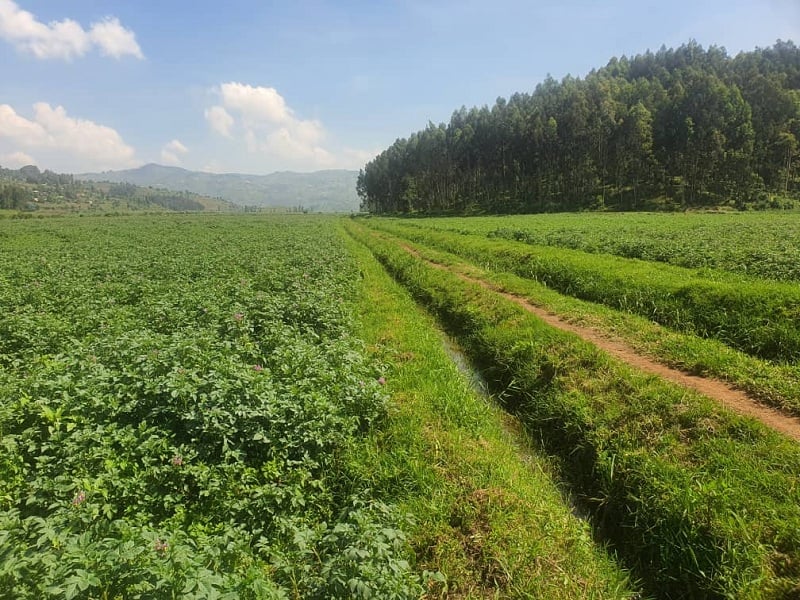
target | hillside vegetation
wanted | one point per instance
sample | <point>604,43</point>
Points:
<point>29,190</point>
<point>321,191</point>
<point>678,128</point>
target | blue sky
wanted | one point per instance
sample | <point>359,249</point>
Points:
<point>256,87</point>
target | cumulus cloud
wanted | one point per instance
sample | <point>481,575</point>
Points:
<point>172,151</point>
<point>65,39</point>
<point>64,142</point>
<point>220,120</point>
<point>15,160</point>
<point>261,118</point>
<point>114,40</point>
<point>256,105</point>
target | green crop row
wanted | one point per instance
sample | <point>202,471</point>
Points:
<point>178,400</point>
<point>764,245</point>
<point>701,502</point>
<point>758,317</point>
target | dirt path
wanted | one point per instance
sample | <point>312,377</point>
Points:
<point>715,389</point>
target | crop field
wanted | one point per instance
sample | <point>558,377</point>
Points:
<point>197,407</point>
<point>264,407</point>
<point>758,244</point>
<point>177,400</point>
<point>759,317</point>
<point>684,489</point>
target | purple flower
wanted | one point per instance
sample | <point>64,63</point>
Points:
<point>382,380</point>
<point>79,498</point>
<point>160,546</point>
<point>177,460</point>
<point>238,316</point>
<point>258,368</point>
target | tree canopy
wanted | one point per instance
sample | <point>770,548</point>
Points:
<point>686,126</point>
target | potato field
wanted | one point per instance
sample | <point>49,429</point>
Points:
<point>264,407</point>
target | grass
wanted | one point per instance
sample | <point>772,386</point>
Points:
<point>488,514</point>
<point>757,317</point>
<point>763,244</point>
<point>776,385</point>
<point>700,502</point>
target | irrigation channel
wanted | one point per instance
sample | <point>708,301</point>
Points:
<point>715,389</point>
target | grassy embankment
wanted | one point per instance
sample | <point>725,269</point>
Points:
<point>777,385</point>
<point>701,502</point>
<point>761,318</point>
<point>756,244</point>
<point>488,515</point>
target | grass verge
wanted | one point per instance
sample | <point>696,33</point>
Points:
<point>701,502</point>
<point>488,516</point>
<point>758,317</point>
<point>777,385</point>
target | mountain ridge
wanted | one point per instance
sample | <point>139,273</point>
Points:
<point>331,190</point>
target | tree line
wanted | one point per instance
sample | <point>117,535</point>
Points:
<point>14,196</point>
<point>679,128</point>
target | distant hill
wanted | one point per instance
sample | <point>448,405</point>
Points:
<point>321,191</point>
<point>28,189</point>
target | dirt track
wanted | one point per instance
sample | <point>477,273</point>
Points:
<point>715,389</point>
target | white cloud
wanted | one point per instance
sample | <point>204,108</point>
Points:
<point>114,40</point>
<point>17,127</point>
<point>287,144</point>
<point>220,120</point>
<point>256,104</point>
<point>268,126</point>
<point>15,160</point>
<point>65,39</point>
<point>262,123</point>
<point>171,152</point>
<point>63,142</point>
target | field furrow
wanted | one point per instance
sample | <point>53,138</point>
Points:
<point>700,501</point>
<point>712,388</point>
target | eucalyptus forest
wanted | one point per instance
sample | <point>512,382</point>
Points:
<point>674,129</point>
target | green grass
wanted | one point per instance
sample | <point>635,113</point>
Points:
<point>763,244</point>
<point>488,514</point>
<point>701,502</point>
<point>776,385</point>
<point>757,317</point>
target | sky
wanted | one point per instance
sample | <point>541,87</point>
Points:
<point>303,85</point>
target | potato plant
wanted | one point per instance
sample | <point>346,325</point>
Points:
<point>177,402</point>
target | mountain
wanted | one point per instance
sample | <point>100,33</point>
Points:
<point>320,191</point>
<point>29,189</point>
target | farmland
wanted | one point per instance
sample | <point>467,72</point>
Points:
<point>178,400</point>
<point>197,407</point>
<point>263,407</point>
<point>759,244</point>
<point>667,474</point>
